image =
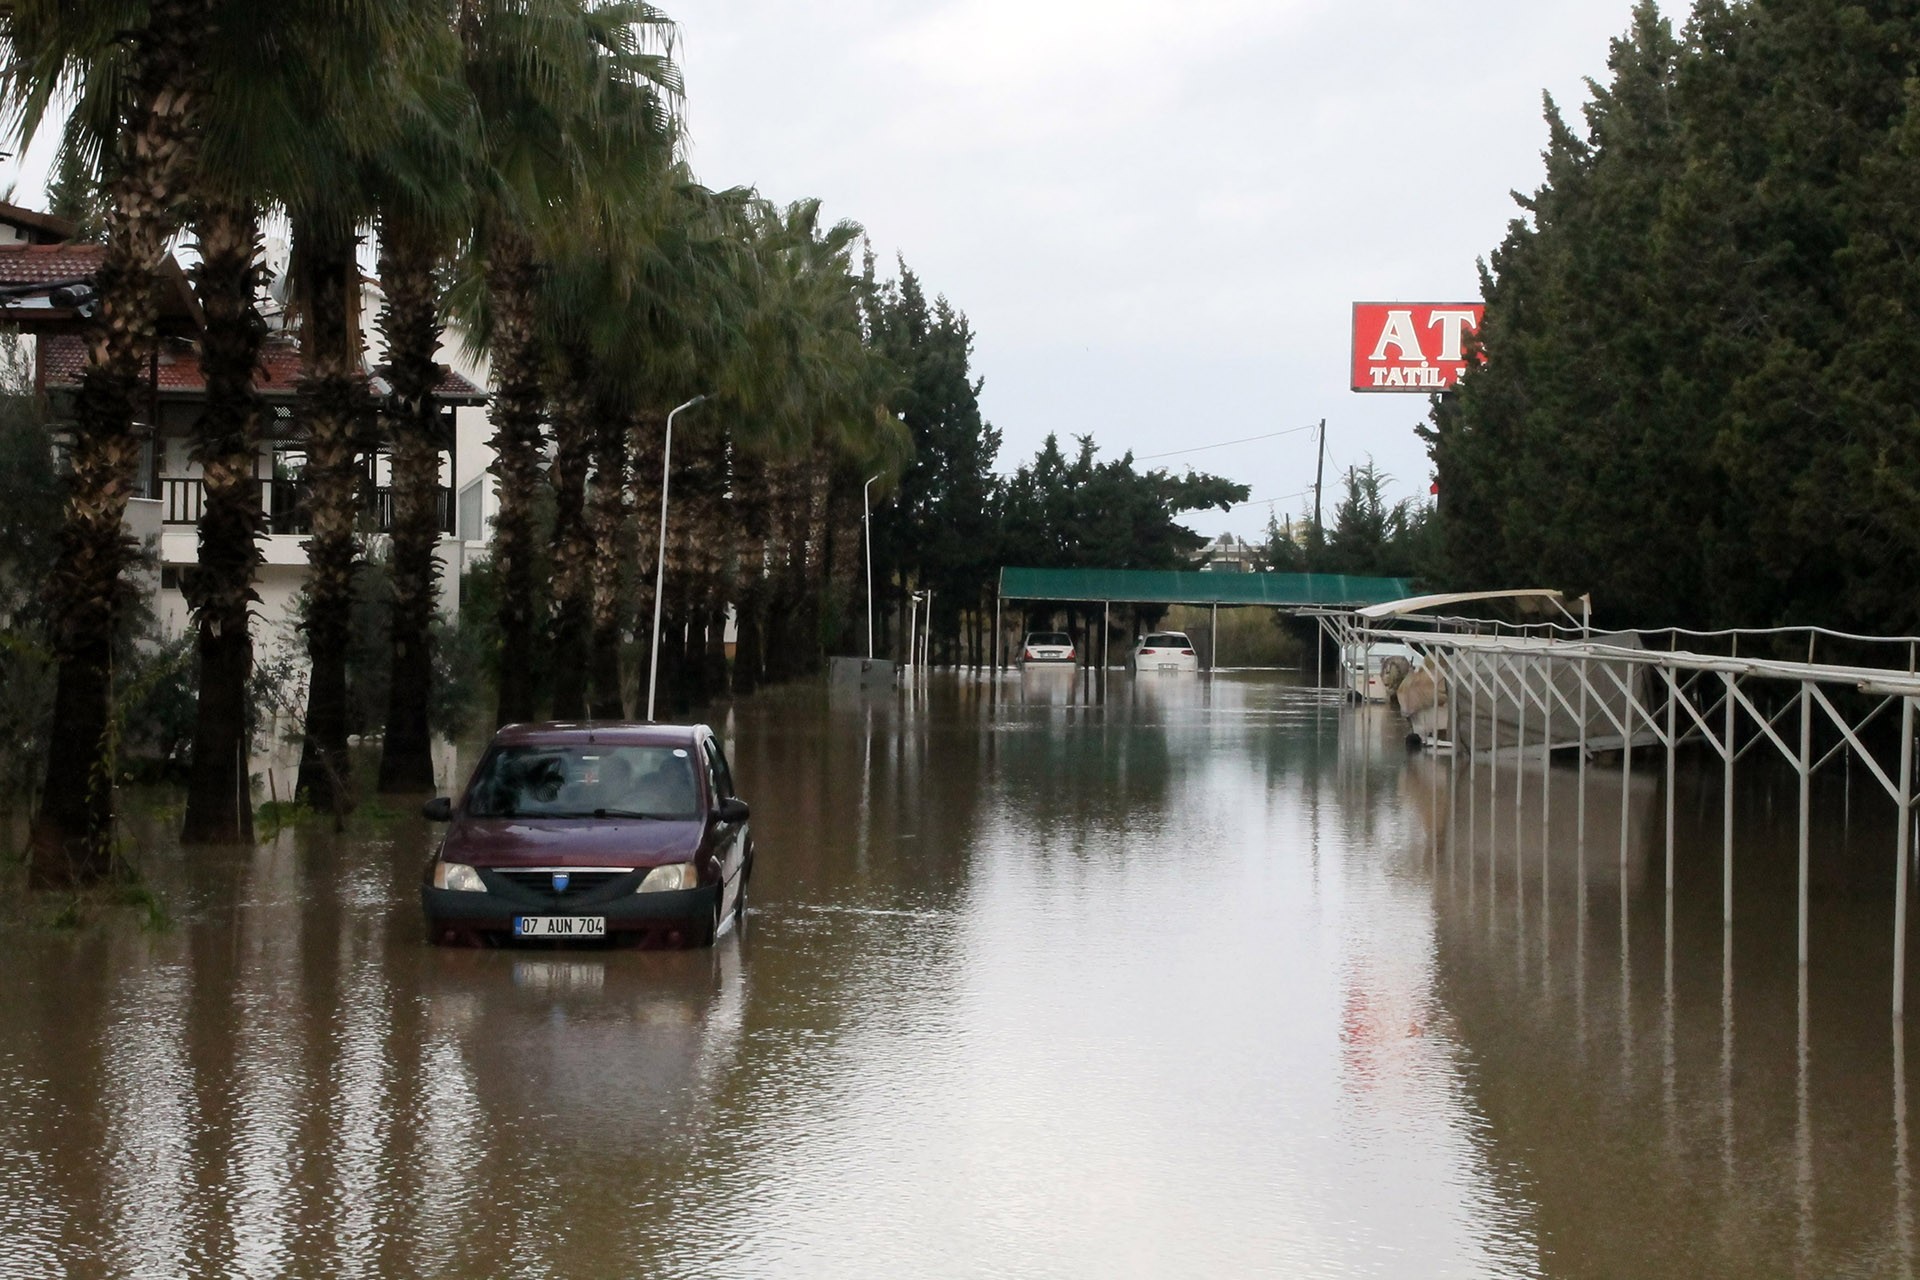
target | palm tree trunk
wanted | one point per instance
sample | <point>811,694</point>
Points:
<point>818,560</point>
<point>699,546</point>
<point>155,158</point>
<point>410,322</point>
<point>332,391</point>
<point>517,401</point>
<point>573,438</point>
<point>748,524</point>
<point>220,585</point>
<point>611,517</point>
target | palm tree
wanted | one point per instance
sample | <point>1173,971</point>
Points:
<point>150,169</point>
<point>808,394</point>
<point>580,295</point>
<point>225,220</point>
<point>410,322</point>
<point>682,308</point>
<point>219,587</point>
<point>360,125</point>
<point>423,190</point>
<point>555,81</point>
<point>266,138</point>
<point>325,280</point>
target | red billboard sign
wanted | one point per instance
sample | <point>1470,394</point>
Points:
<point>1411,346</point>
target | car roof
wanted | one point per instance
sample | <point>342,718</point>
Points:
<point>630,733</point>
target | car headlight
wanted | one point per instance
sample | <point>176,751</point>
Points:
<point>457,876</point>
<point>675,875</point>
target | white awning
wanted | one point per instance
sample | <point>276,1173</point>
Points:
<point>1523,599</point>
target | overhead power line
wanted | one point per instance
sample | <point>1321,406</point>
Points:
<point>1285,497</point>
<point>1202,448</point>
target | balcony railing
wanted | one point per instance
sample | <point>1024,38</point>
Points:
<point>284,502</point>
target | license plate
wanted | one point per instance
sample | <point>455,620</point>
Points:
<point>1169,666</point>
<point>560,926</point>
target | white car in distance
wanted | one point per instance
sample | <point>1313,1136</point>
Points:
<point>1048,647</point>
<point>1165,651</point>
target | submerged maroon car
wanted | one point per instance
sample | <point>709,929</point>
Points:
<point>592,831</point>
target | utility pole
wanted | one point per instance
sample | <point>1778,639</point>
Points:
<point>1319,467</point>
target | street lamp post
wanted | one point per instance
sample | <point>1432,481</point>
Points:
<point>866,524</point>
<point>660,568</point>
<point>913,614</point>
<point>926,633</point>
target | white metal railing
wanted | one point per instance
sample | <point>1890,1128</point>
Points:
<point>1566,674</point>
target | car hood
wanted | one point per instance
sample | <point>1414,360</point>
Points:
<point>571,842</point>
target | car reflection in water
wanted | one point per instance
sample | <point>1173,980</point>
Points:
<point>602,1049</point>
<point>1056,684</point>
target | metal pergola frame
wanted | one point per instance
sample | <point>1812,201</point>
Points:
<point>1497,662</point>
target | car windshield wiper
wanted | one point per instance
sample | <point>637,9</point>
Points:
<point>631,813</point>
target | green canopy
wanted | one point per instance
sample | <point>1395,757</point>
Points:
<point>1160,586</point>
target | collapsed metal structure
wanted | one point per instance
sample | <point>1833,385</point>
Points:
<point>1527,689</point>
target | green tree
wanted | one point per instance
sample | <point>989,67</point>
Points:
<point>1281,550</point>
<point>1698,388</point>
<point>150,170</point>
<point>938,529</point>
<point>1371,535</point>
<point>550,78</point>
<point>423,195</point>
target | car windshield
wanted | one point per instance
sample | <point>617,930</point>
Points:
<point>1050,637</point>
<point>584,781</point>
<point>1165,640</point>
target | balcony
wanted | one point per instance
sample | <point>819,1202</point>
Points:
<point>284,503</point>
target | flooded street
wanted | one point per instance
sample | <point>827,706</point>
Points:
<point>1184,977</point>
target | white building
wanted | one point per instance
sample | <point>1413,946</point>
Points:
<point>39,269</point>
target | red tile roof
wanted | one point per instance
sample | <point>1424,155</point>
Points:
<point>45,263</point>
<point>62,357</point>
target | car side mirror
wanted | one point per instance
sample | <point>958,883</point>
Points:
<point>732,809</point>
<point>438,809</point>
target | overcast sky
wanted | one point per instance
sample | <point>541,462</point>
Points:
<point>1157,216</point>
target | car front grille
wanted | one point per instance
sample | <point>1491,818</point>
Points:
<point>579,883</point>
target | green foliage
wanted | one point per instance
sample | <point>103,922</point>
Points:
<point>1283,550</point>
<point>1701,395</point>
<point>154,678</point>
<point>1248,637</point>
<point>1058,512</point>
<point>154,916</point>
<point>939,528</point>
<point>75,193</point>
<point>1369,535</point>
<point>460,687</point>
<point>275,816</point>
<point>156,691</point>
<point>369,657</point>
<point>29,514</point>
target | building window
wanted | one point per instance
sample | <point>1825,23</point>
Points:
<point>469,515</point>
<point>145,483</point>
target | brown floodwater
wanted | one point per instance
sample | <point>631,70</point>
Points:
<point>1181,977</point>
